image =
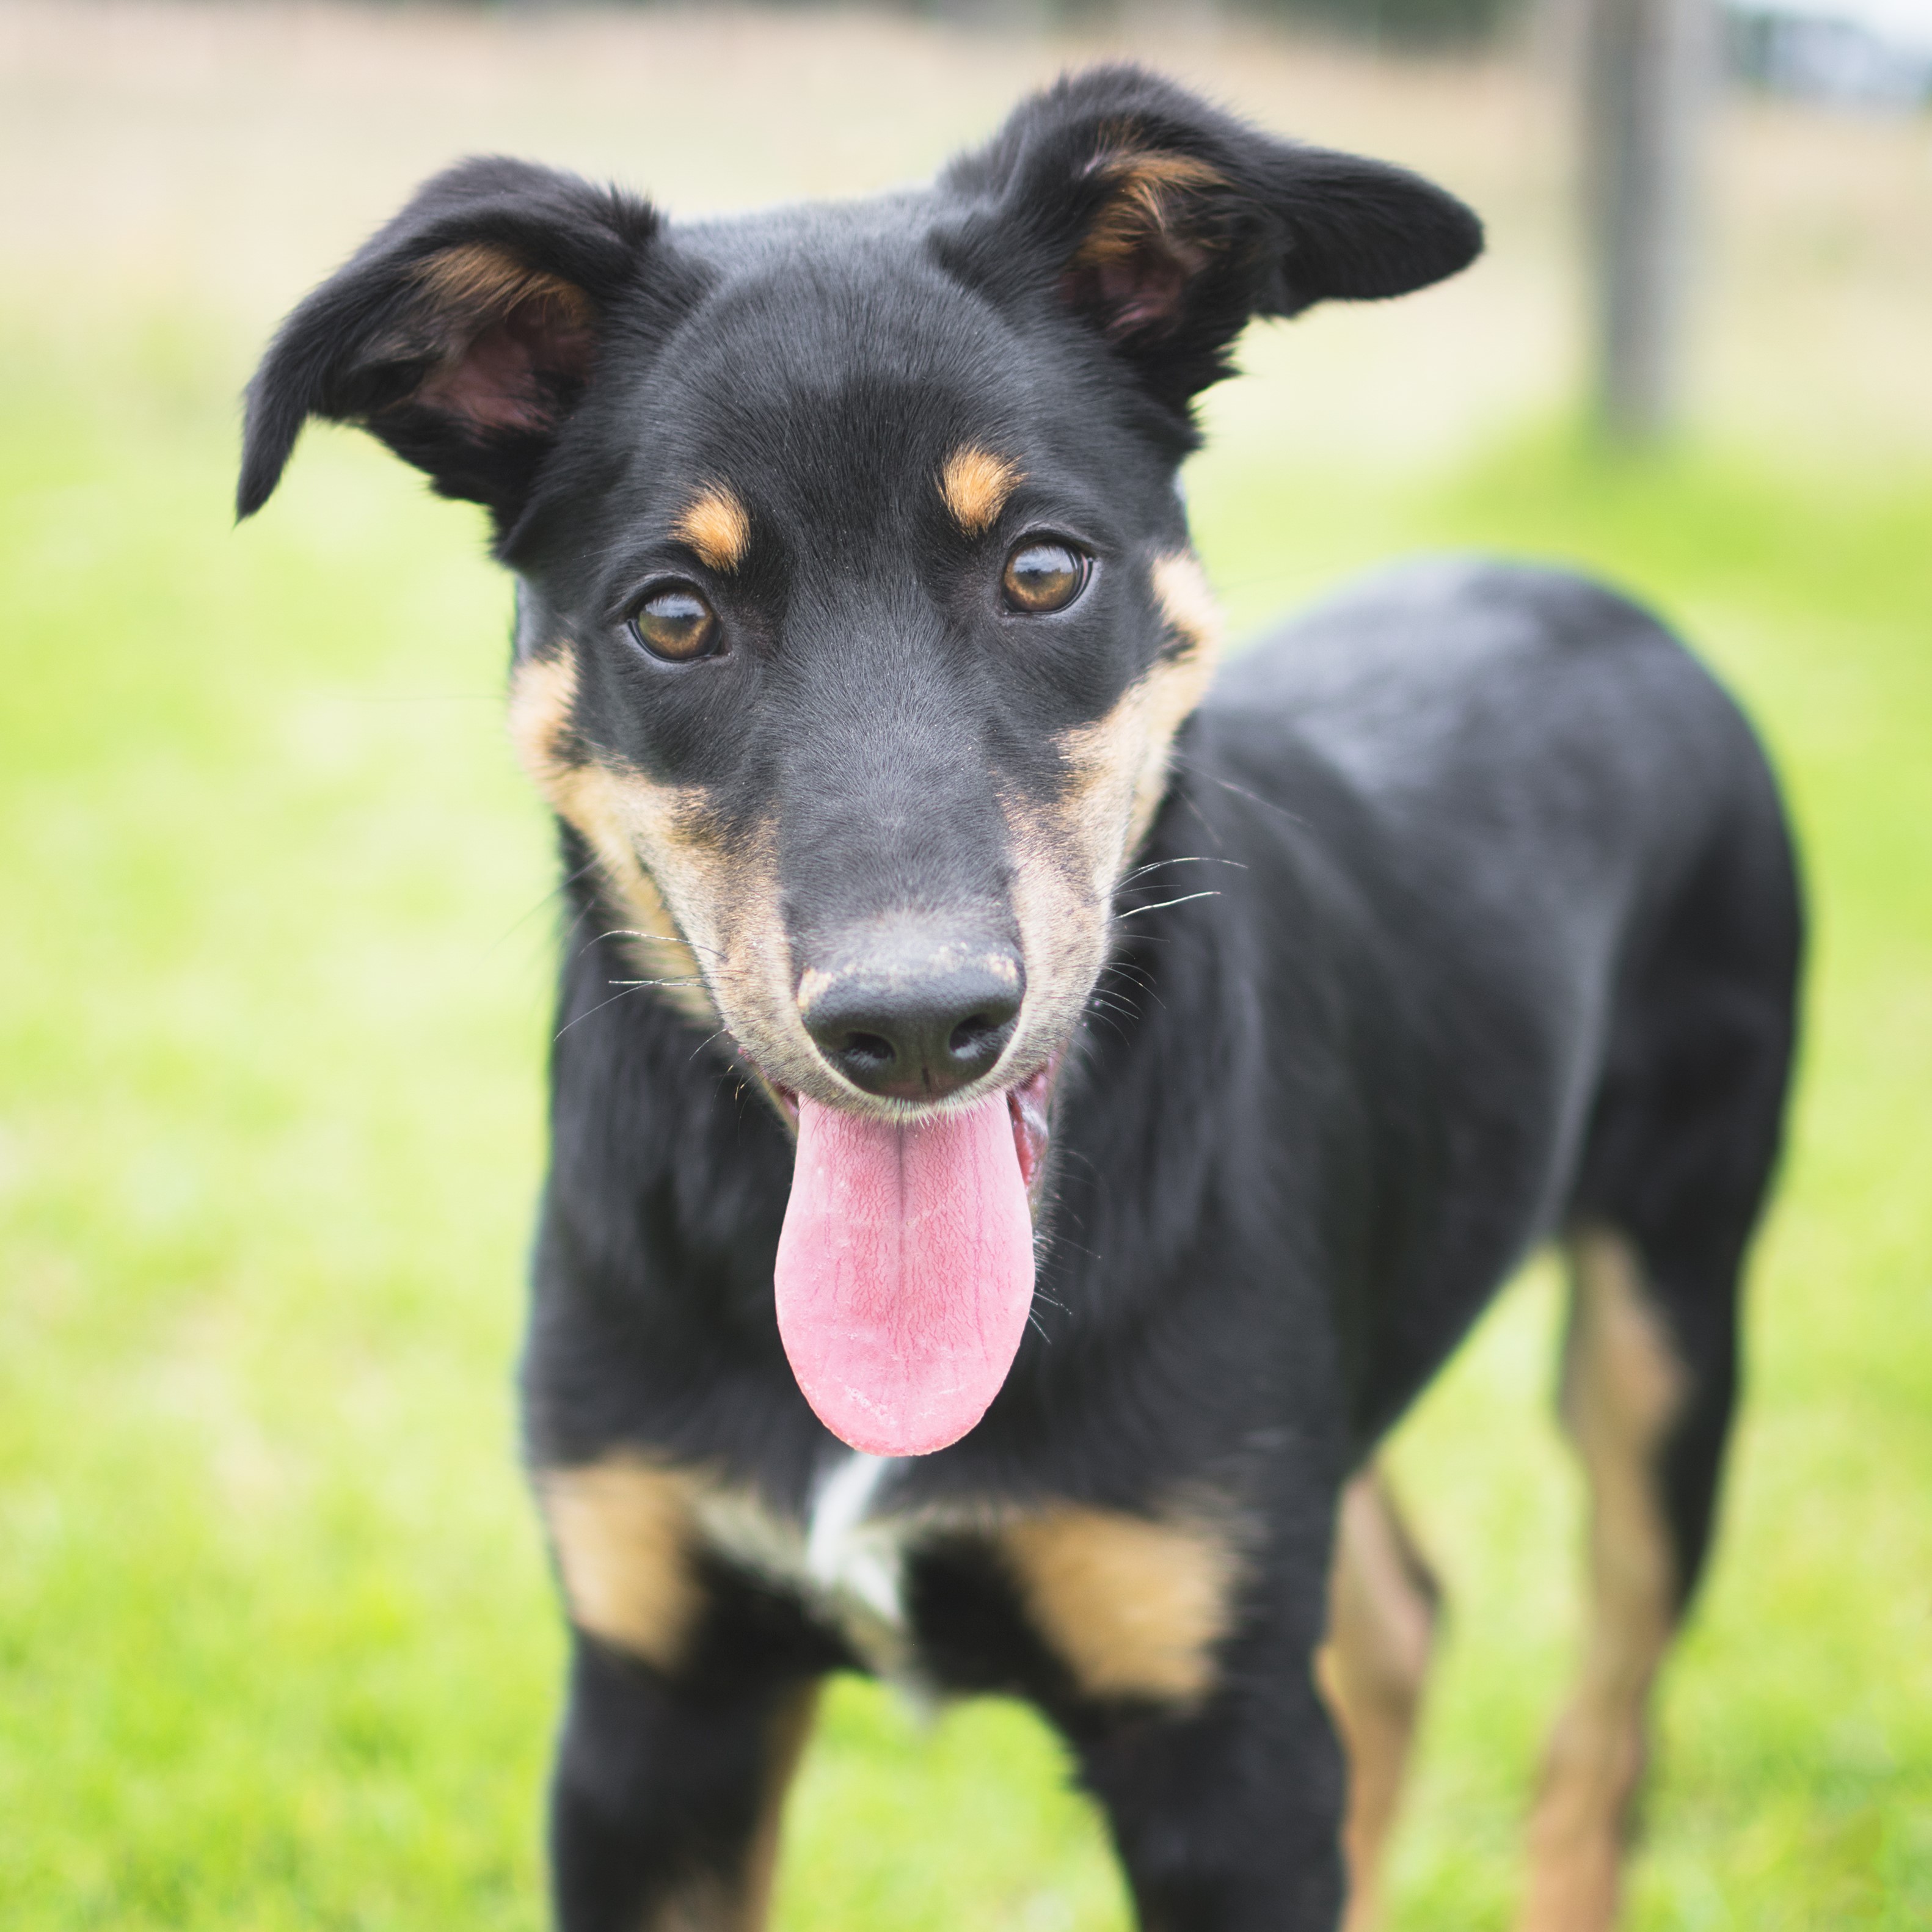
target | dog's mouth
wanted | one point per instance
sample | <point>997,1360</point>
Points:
<point>905,1268</point>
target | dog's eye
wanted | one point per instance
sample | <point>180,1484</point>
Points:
<point>676,622</point>
<point>1042,577</point>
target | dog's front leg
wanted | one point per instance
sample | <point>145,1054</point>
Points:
<point>1227,1816</point>
<point>665,1802</point>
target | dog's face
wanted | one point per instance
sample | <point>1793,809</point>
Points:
<point>863,653</point>
<point>857,615</point>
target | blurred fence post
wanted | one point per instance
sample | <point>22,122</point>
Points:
<point>1647,77</point>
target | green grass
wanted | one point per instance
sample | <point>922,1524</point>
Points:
<point>276,1644</point>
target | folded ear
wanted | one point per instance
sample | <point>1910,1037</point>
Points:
<point>1166,224</point>
<point>461,335</point>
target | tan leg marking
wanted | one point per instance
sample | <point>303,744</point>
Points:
<point>791,1731</point>
<point>621,1530</point>
<point>974,484</point>
<point>1622,1387</point>
<point>717,526</point>
<point>711,1902</point>
<point>1133,1605</point>
<point>1381,1627</point>
<point>705,1904</point>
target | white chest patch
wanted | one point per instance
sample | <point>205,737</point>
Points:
<point>846,1562</point>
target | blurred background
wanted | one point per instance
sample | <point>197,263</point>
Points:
<point>277,1648</point>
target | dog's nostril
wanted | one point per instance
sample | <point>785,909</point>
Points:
<point>869,1046</point>
<point>970,1035</point>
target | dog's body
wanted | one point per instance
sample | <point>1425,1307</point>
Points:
<point>1459,916</point>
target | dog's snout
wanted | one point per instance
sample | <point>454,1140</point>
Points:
<point>916,1030</point>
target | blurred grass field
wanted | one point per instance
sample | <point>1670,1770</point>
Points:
<point>277,1647</point>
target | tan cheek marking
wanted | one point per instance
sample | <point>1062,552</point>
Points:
<point>718,526</point>
<point>1131,1606</point>
<point>622,1531</point>
<point>588,797</point>
<point>1120,762</point>
<point>975,485</point>
<point>1181,588</point>
<point>1068,852</point>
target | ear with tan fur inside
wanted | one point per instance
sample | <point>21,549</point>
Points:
<point>1134,263</point>
<point>1168,225</point>
<point>512,336</point>
<point>461,335</point>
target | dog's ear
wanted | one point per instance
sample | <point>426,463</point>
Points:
<point>1166,224</point>
<point>461,335</point>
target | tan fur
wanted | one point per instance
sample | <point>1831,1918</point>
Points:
<point>705,924</point>
<point>1381,1627</point>
<point>791,1731</point>
<point>711,1902</point>
<point>1120,762</point>
<point>479,279</point>
<point>621,1532</point>
<point>703,1902</point>
<point>1623,1386</point>
<point>591,797</point>
<point>1069,854</point>
<point>1148,190</point>
<point>1133,1607</point>
<point>718,526</point>
<point>705,920</point>
<point>975,485</point>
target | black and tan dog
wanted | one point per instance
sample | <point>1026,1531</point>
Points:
<point>999,967</point>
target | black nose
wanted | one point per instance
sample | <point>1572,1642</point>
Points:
<point>915,1026</point>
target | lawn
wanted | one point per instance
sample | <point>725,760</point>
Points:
<point>277,1645</point>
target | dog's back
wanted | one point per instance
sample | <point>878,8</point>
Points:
<point>1574,867</point>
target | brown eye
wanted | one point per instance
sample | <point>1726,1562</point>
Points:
<point>675,623</point>
<point>1041,576</point>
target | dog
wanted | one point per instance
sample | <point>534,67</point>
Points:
<point>1031,1110</point>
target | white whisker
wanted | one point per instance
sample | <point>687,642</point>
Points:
<point>1161,905</point>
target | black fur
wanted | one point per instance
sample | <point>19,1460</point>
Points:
<point>1499,926</point>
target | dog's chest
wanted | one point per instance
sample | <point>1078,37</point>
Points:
<point>1106,1602</point>
<point>845,1562</point>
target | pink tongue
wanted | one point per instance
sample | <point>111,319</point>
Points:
<point>904,1273</point>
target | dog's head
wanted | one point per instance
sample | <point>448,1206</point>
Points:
<point>857,617</point>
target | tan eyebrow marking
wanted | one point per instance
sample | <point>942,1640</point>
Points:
<point>976,484</point>
<point>717,526</point>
